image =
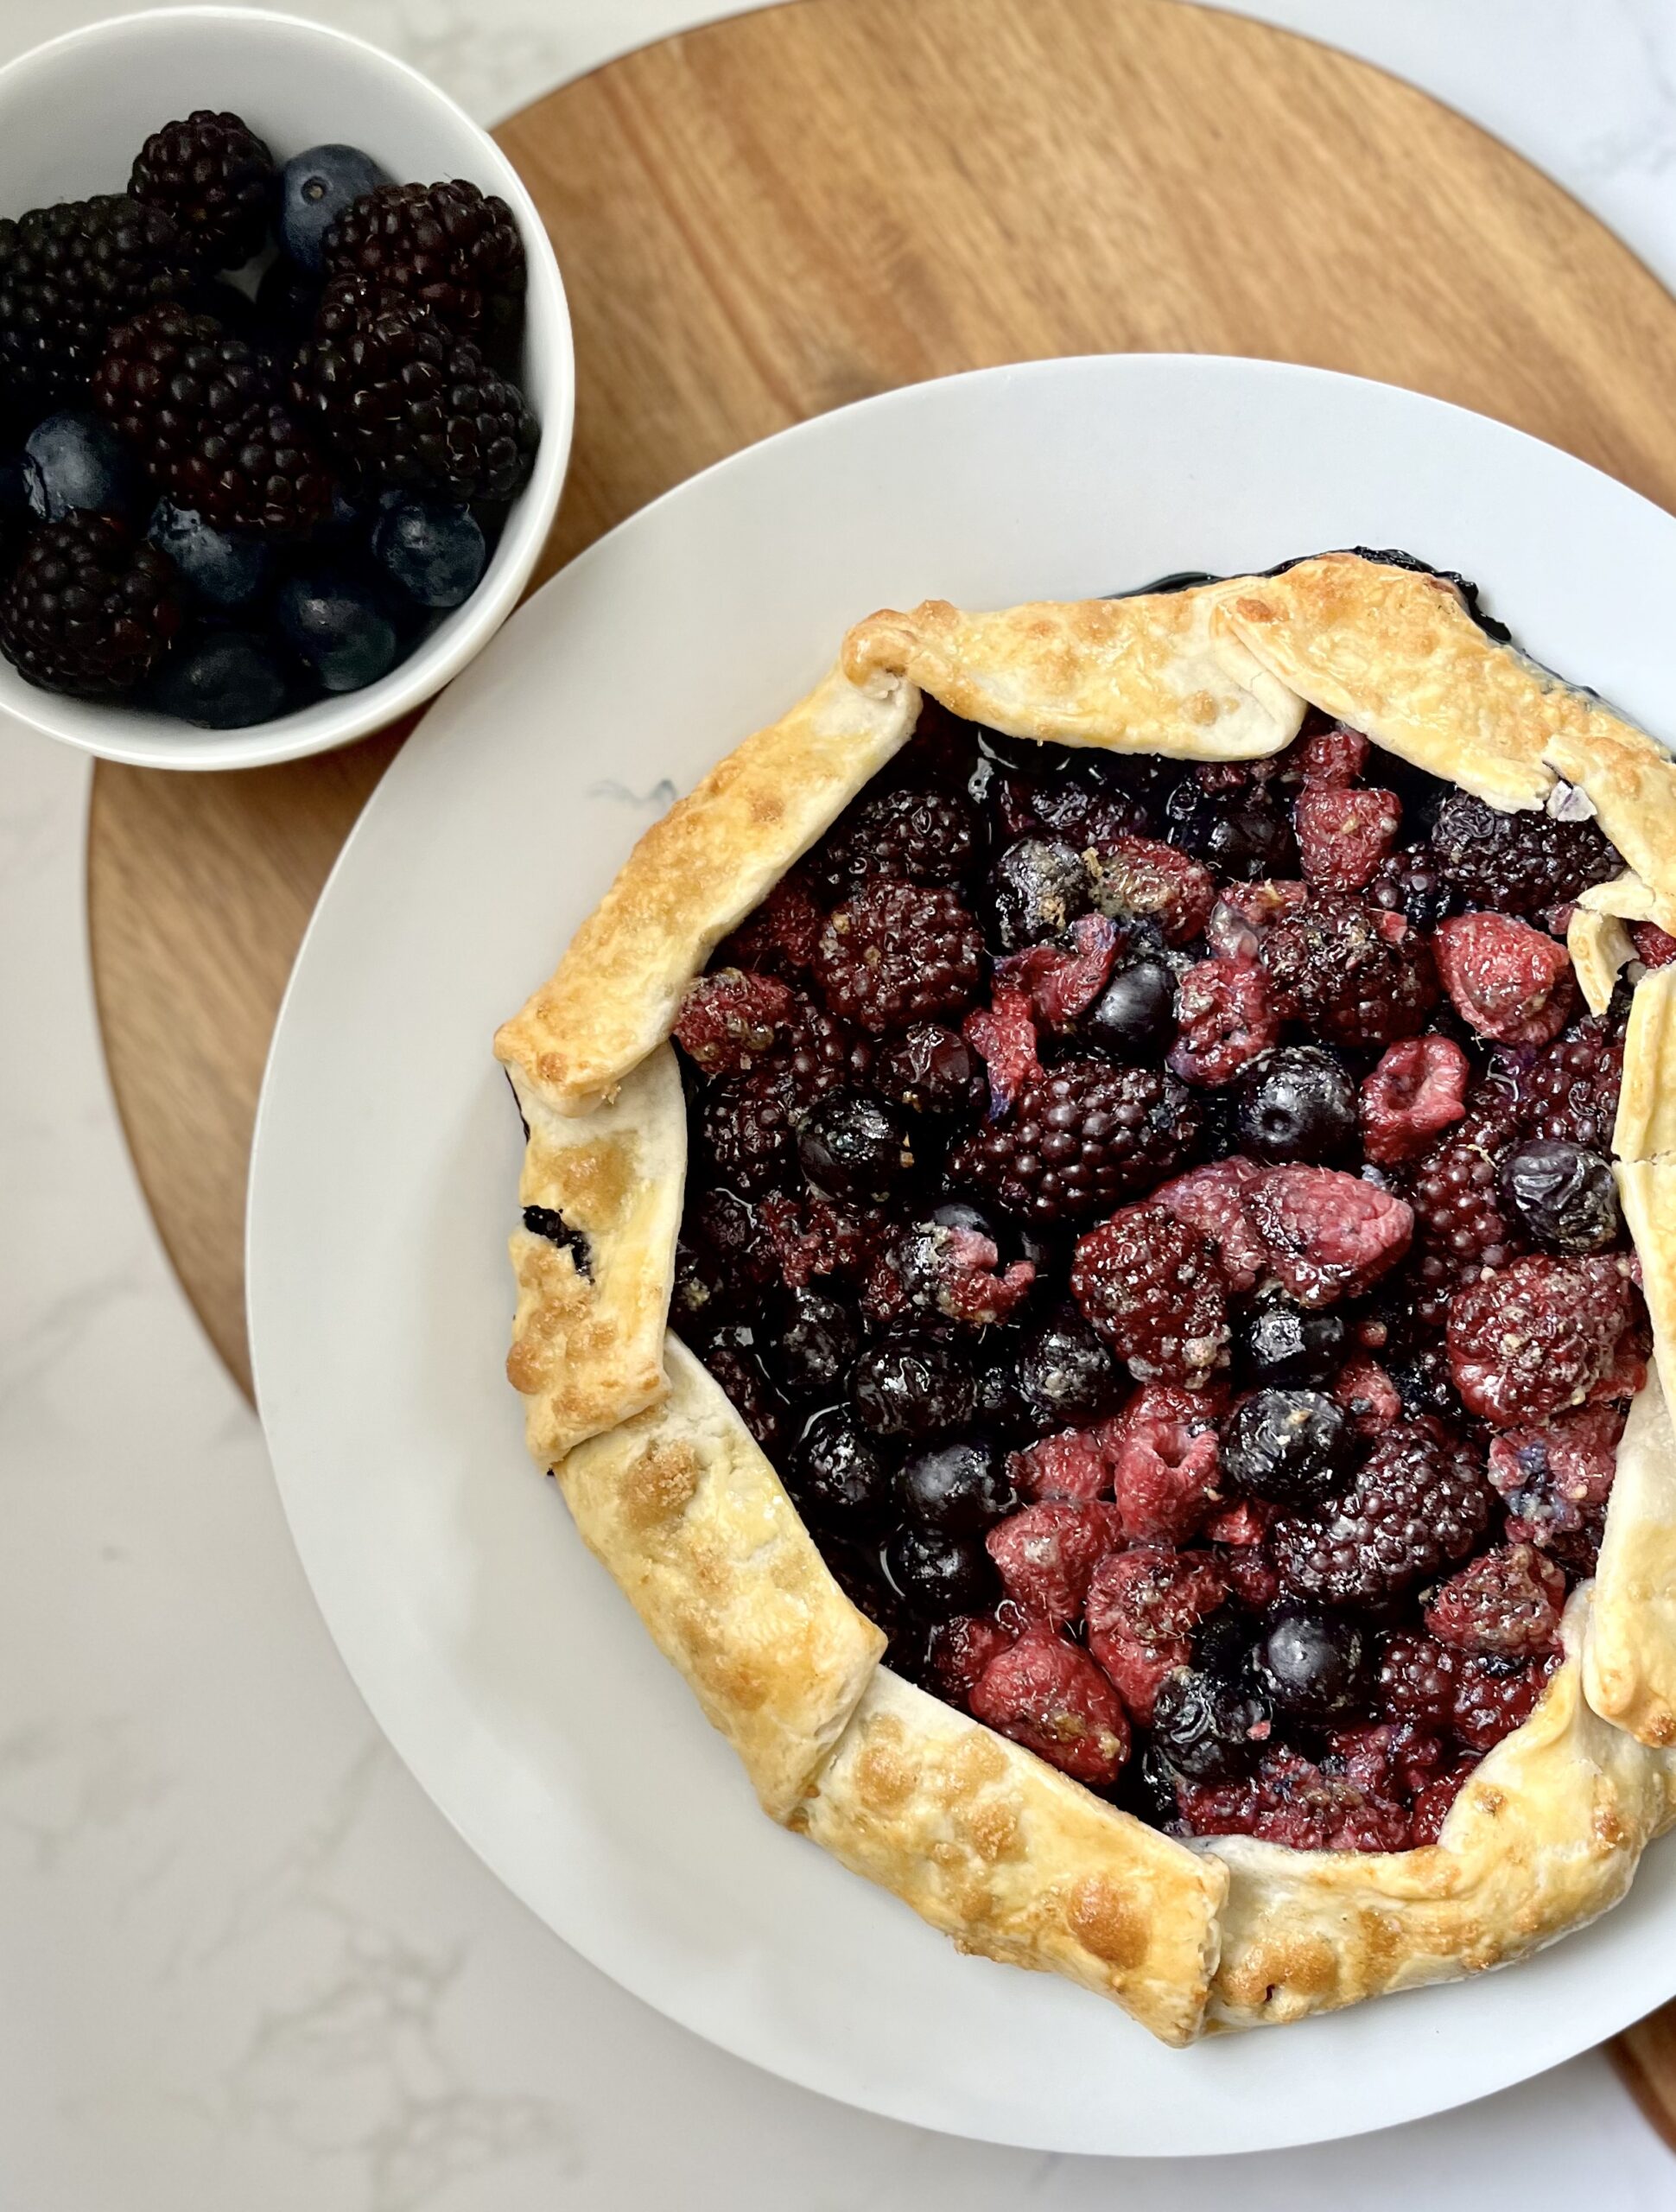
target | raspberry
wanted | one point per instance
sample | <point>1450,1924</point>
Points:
<point>1432,1803</point>
<point>914,835</point>
<point>1063,981</point>
<point>730,1019</point>
<point>1495,1696</point>
<point>1506,980</point>
<point>960,1649</point>
<point>1138,879</point>
<point>1410,883</point>
<point>1654,948</point>
<point>1369,1396</point>
<point>744,1131</point>
<point>1571,1090</point>
<point>1003,1035</point>
<point>780,934</point>
<point>1328,1235</point>
<point>1245,913</point>
<point>1390,1758</point>
<point>1505,1603</point>
<point>813,1237</point>
<point>1344,834</point>
<point>1556,1478</point>
<point>1332,756</point>
<point>1051,1697</point>
<point>1136,1671</point>
<point>1153,1595</point>
<point>1333,966</point>
<point>1151,1287</point>
<point>1251,1575</point>
<point>1081,1136</point>
<point>1517,863</point>
<point>1290,1800</point>
<point>955,1272</point>
<point>1047,1553</point>
<point>897,952</point>
<point>1541,1334</point>
<point>1215,1199</point>
<point>1166,1462</point>
<point>1419,1501</point>
<point>1225,1019</point>
<point>1418,1089</point>
<point>1417,1678</point>
<point>1075,1466</point>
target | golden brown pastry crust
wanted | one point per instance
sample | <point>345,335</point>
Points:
<point>1599,945</point>
<point>588,1342</point>
<point>984,1840</point>
<point>1163,672</point>
<point>1545,1836</point>
<point>1005,1854</point>
<point>1630,1661</point>
<point>694,876</point>
<point>693,1521</point>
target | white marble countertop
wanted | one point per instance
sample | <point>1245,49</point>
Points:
<point>243,1962</point>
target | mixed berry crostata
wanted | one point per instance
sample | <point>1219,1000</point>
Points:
<point>1117,1347</point>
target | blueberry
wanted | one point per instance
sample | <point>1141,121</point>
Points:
<point>72,459</point>
<point>1564,1196</point>
<point>432,550</point>
<point>1314,1665</point>
<point>932,1070</point>
<point>1134,1017</point>
<point>961,1488</point>
<point>912,1385</point>
<point>340,628</point>
<point>1064,1375</point>
<point>1240,833</point>
<point>959,1213</point>
<point>1038,887</point>
<point>816,1342</point>
<point>999,1405</point>
<point>314,189</point>
<point>227,680</point>
<point>1299,1102</point>
<point>1209,1728</point>
<point>839,1476</point>
<point>1293,1448</point>
<point>939,1575</point>
<point>852,1145</point>
<point>1284,1343</point>
<point>698,1298</point>
<point>223,568</point>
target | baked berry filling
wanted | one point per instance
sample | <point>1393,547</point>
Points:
<point>1158,1220</point>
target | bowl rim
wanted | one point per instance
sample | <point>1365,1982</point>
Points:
<point>343,718</point>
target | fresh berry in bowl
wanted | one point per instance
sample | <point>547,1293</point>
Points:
<point>311,348</point>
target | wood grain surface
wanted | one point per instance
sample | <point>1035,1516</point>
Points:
<point>776,214</point>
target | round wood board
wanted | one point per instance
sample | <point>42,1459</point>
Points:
<point>771,216</point>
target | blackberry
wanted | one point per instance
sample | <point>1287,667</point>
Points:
<point>447,247</point>
<point>1411,883</point>
<point>1520,863</point>
<point>1568,1090</point>
<point>1150,1287</point>
<point>1081,1135</point>
<point>1455,1193</point>
<point>1417,1680</point>
<point>731,1355</point>
<point>823,1053</point>
<point>897,953</point>
<point>1419,1502</point>
<point>404,401</point>
<point>744,1132</point>
<point>1333,968</point>
<point>1494,1696</point>
<point>202,409</point>
<point>69,273</point>
<point>1505,1603</point>
<point>216,178</point>
<point>89,610</point>
<point>915,834</point>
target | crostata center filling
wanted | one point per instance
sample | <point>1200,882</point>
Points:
<point>1158,1220</point>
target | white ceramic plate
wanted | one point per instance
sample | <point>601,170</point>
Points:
<point>500,1659</point>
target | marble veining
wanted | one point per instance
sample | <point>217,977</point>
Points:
<point>243,1962</point>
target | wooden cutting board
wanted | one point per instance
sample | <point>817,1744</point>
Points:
<point>774,215</point>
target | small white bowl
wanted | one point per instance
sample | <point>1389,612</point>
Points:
<point>73,114</point>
